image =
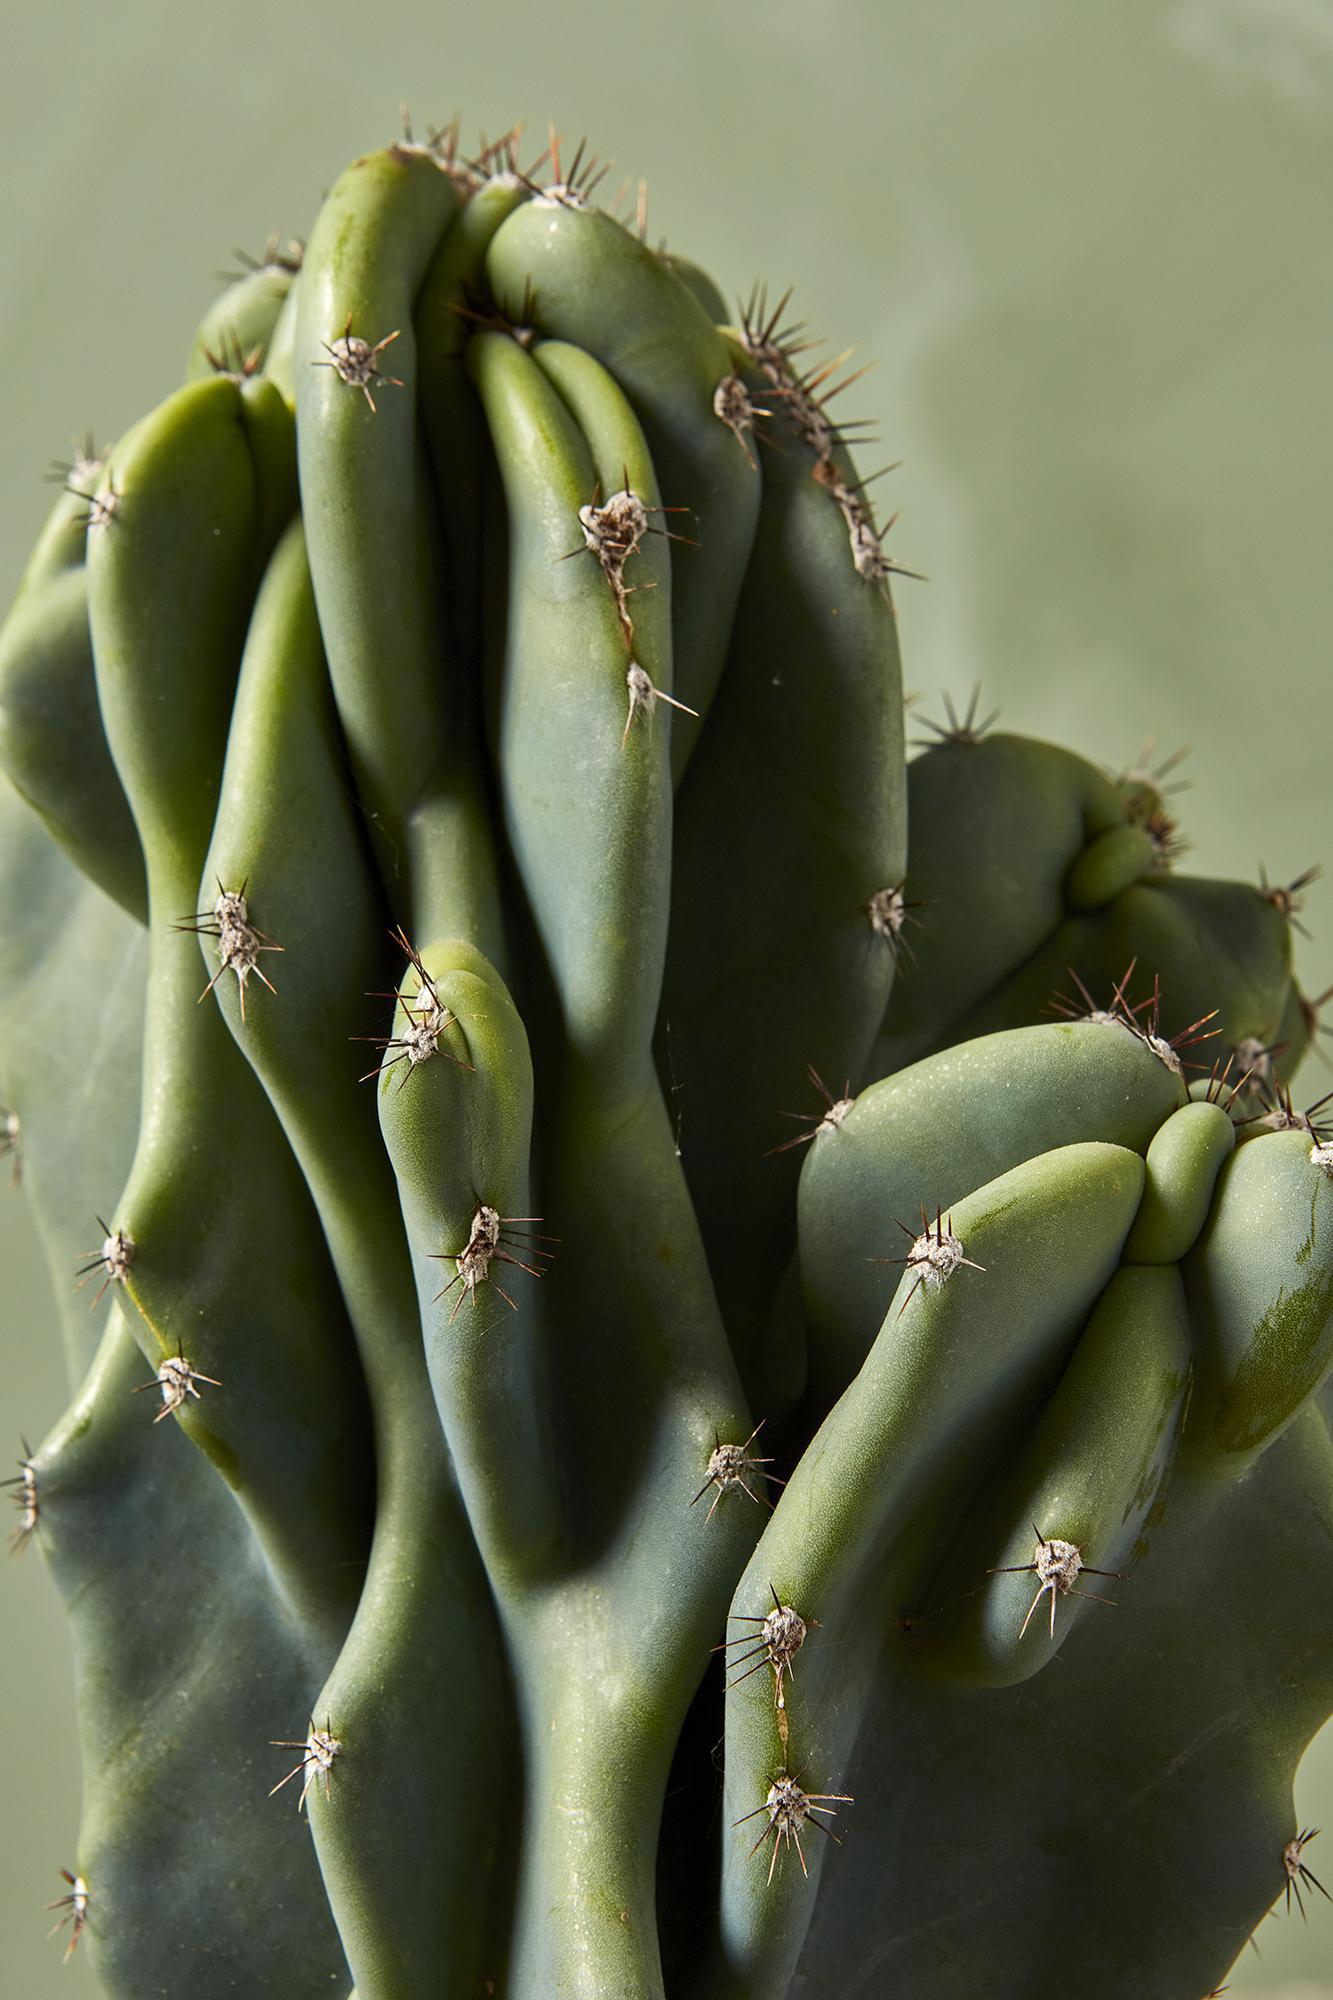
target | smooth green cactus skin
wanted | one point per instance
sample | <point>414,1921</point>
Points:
<point>454,861</point>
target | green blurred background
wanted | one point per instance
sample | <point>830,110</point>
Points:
<point>1087,244</point>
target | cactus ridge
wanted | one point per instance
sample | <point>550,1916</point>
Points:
<point>487,658</point>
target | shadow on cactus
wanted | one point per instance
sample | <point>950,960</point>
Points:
<point>530,1523</point>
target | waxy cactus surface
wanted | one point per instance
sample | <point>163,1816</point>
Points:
<point>625,1335</point>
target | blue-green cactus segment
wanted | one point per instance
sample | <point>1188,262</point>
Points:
<point>594,858</point>
<point>186,1663</point>
<point>368,509</point>
<point>1185,1158</point>
<point>1157,1825</point>
<point>913,1144</point>
<point>286,827</point>
<point>790,845</point>
<point>1261,1293</point>
<point>1031,880</point>
<point>63,537</point>
<point>235,334</point>
<point>577,274</point>
<point>245,1303</point>
<point>985,899</point>
<point>52,748</point>
<point>445,315</point>
<point>984,1315</point>
<point>1065,1524</point>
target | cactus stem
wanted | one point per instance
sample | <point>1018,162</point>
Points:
<point>114,1259</point>
<point>176,1379</point>
<point>1297,1872</point>
<point>486,1245</point>
<point>1057,1566</point>
<point>935,1254</point>
<point>728,1465</point>
<point>24,1497</point>
<point>11,1143</point>
<point>789,1808</point>
<point>643,696</point>
<point>1287,899</point>
<point>356,362</point>
<point>75,1912</point>
<point>318,1751</point>
<point>829,1120</point>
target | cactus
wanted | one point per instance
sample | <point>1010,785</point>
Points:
<point>455,784</point>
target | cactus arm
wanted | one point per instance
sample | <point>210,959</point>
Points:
<point>410,1920</point>
<point>986,903</point>
<point>1153,1826</point>
<point>956,1363</point>
<point>791,820</point>
<point>592,283</point>
<point>459,1138</point>
<point>698,282</point>
<point>595,855</point>
<point>237,330</point>
<point>455,429</point>
<point>1183,1161</point>
<point>1261,1292</point>
<point>1218,949</point>
<point>179,1640</point>
<point>365,492</point>
<point>924,1137</point>
<point>60,545</point>
<point>280,360</point>
<point>52,747</point>
<point>60,935</point>
<point>178,1701</point>
<point>1089,1475</point>
<point>228,1267</point>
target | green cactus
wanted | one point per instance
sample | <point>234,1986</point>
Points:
<point>632,1542</point>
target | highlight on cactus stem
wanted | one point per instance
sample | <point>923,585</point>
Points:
<point>488,656</point>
